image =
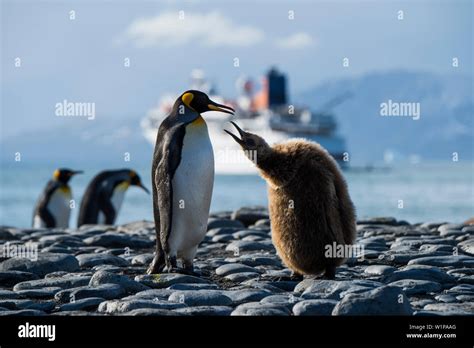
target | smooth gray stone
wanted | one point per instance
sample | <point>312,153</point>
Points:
<point>432,248</point>
<point>57,274</point>
<point>63,283</point>
<point>200,298</point>
<point>260,309</point>
<point>107,291</point>
<point>287,300</point>
<point>22,312</point>
<point>421,272</point>
<point>223,231</point>
<point>205,310</point>
<point>465,298</point>
<point>104,277</point>
<point>46,306</point>
<point>16,303</point>
<point>91,260</point>
<point>234,268</point>
<point>250,215</point>
<point>245,233</point>
<point>389,221</point>
<point>446,298</point>
<point>386,300</point>
<point>247,295</point>
<point>243,245</point>
<point>378,270</point>
<point>142,259</point>
<point>240,277</point>
<point>157,294</point>
<point>285,285</point>
<point>145,312</point>
<point>8,294</point>
<point>447,227</point>
<point>467,246</point>
<point>466,308</point>
<point>165,280</point>
<point>222,238</point>
<point>108,268</point>
<point>40,293</point>
<point>10,278</point>
<point>331,289</point>
<point>89,303</point>
<point>256,260</point>
<point>118,240</point>
<point>51,239</point>
<point>196,286</point>
<point>444,261</point>
<point>262,285</point>
<point>314,307</point>
<point>219,223</point>
<point>121,306</point>
<point>465,289</point>
<point>416,286</point>
<point>76,313</point>
<point>46,263</point>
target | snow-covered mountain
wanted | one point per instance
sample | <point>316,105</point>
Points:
<point>445,124</point>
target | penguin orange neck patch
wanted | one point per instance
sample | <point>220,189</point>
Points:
<point>187,98</point>
<point>198,121</point>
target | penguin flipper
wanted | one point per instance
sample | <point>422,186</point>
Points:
<point>108,210</point>
<point>47,217</point>
<point>167,158</point>
<point>42,205</point>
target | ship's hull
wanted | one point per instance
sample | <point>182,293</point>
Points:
<point>229,157</point>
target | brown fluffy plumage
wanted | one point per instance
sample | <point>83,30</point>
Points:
<point>309,203</point>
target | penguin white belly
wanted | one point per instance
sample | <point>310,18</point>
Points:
<point>58,206</point>
<point>192,190</point>
<point>116,200</point>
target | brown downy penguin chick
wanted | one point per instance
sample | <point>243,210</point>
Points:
<point>309,204</point>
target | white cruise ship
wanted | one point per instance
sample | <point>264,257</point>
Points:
<point>266,113</point>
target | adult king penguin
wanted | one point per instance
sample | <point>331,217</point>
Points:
<point>104,196</point>
<point>182,178</point>
<point>54,205</point>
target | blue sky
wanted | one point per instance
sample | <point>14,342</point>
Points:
<point>82,59</point>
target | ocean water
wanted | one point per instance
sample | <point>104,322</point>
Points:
<point>416,193</point>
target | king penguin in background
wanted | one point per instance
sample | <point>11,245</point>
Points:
<point>53,207</point>
<point>182,178</point>
<point>104,196</point>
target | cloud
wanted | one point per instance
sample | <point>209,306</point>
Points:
<point>210,29</point>
<point>295,41</point>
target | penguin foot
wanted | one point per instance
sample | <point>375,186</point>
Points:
<point>156,266</point>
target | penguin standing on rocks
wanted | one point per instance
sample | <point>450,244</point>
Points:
<point>182,178</point>
<point>104,196</point>
<point>309,204</point>
<point>53,207</point>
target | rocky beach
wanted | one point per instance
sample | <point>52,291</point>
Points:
<point>403,269</point>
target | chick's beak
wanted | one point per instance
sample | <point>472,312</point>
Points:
<point>236,138</point>
<point>213,106</point>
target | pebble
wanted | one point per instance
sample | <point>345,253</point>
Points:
<point>63,283</point>
<point>385,300</point>
<point>219,223</point>
<point>165,280</point>
<point>421,272</point>
<point>200,298</point>
<point>205,310</point>
<point>451,308</point>
<point>142,259</point>
<point>118,240</point>
<point>107,291</point>
<point>234,268</point>
<point>10,278</point>
<point>41,293</point>
<point>444,261</point>
<point>242,276</point>
<point>91,260</point>
<point>123,306</point>
<point>378,270</point>
<point>247,295</point>
<point>314,307</point>
<point>260,309</point>
<point>467,247</point>
<point>144,312</point>
<point>245,245</point>
<point>104,277</point>
<point>250,215</point>
<point>287,300</point>
<point>416,286</point>
<point>90,303</point>
<point>44,264</point>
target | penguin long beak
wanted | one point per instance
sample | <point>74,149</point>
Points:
<point>213,106</point>
<point>143,188</point>
<point>241,132</point>
<point>77,172</point>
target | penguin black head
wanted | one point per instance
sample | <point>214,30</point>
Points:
<point>200,102</point>
<point>136,181</point>
<point>63,175</point>
<point>249,141</point>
